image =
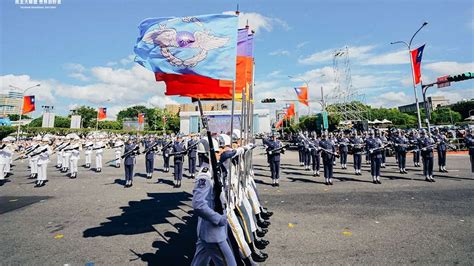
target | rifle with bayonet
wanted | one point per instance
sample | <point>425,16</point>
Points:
<point>135,150</point>
<point>215,174</point>
<point>27,152</point>
<point>185,150</point>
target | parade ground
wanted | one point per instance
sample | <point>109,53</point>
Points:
<point>94,220</point>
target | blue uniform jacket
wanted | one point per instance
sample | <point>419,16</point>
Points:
<point>129,159</point>
<point>275,156</point>
<point>327,145</point>
<point>178,147</point>
<point>211,225</point>
<point>151,154</point>
<point>192,153</point>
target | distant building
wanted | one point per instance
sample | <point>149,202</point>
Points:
<point>434,103</point>
<point>10,103</point>
<point>189,107</point>
<point>219,121</point>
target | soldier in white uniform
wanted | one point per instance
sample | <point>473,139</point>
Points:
<point>43,159</point>
<point>60,143</point>
<point>75,156</point>
<point>33,160</point>
<point>5,155</point>
<point>118,144</point>
<point>99,150</point>
<point>66,156</point>
<point>88,151</point>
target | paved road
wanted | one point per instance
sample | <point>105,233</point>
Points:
<point>94,219</point>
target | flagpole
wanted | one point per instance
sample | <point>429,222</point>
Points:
<point>408,45</point>
<point>97,120</point>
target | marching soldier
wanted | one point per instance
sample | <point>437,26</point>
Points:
<point>66,156</point>
<point>99,150</point>
<point>177,150</point>
<point>416,153</point>
<point>441,148</point>
<point>301,150</point>
<point>357,150</point>
<point>212,241</point>
<point>343,150</point>
<point>328,154</point>
<point>374,147</point>
<point>166,154</point>
<point>150,147</point>
<point>43,159</point>
<point>74,158</point>
<point>5,154</point>
<point>192,154</point>
<point>315,153</point>
<point>118,144</point>
<point>401,147</point>
<point>426,144</point>
<point>130,151</point>
<point>469,140</point>
<point>384,140</point>
<point>274,150</point>
<point>88,152</point>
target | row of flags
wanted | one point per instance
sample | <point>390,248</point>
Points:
<point>290,112</point>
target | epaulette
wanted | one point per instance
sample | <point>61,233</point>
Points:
<point>205,170</point>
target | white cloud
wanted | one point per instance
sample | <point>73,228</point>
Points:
<point>301,45</point>
<point>280,52</point>
<point>355,53</point>
<point>43,92</point>
<point>259,22</point>
<point>79,76</point>
<point>453,95</point>
<point>127,60</point>
<point>393,58</point>
<point>75,67</point>
<point>390,99</point>
<point>449,67</point>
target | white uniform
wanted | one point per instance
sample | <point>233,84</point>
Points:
<point>66,158</point>
<point>88,151</point>
<point>5,155</point>
<point>118,145</point>
<point>43,160</point>
<point>34,162</point>
<point>98,154</point>
<point>75,155</point>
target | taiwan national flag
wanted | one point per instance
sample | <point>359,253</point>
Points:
<point>141,118</point>
<point>195,56</point>
<point>416,56</point>
<point>291,111</point>
<point>28,104</point>
<point>102,113</point>
<point>302,93</point>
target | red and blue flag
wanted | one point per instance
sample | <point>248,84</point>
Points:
<point>416,56</point>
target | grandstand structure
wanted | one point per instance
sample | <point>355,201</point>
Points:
<point>345,100</point>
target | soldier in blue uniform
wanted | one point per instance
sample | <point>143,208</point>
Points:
<point>469,140</point>
<point>384,140</point>
<point>150,156</point>
<point>178,153</point>
<point>416,153</point>
<point>357,150</point>
<point>192,155</point>
<point>426,144</point>
<point>129,161</point>
<point>401,144</point>
<point>212,241</point>
<point>441,149</point>
<point>166,154</point>
<point>301,150</point>
<point>343,142</point>
<point>274,157</point>
<point>315,153</point>
<point>374,148</point>
<point>306,154</point>
<point>328,150</point>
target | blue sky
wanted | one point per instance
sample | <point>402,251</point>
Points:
<point>81,51</point>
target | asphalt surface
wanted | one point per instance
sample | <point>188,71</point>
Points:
<point>94,220</point>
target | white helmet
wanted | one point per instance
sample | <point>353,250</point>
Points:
<point>224,140</point>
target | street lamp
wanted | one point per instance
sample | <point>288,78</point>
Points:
<point>408,45</point>
<point>22,106</point>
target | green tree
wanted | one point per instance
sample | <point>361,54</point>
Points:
<point>115,125</point>
<point>37,122</point>
<point>17,117</point>
<point>445,116</point>
<point>88,116</point>
<point>62,122</point>
<point>463,108</point>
